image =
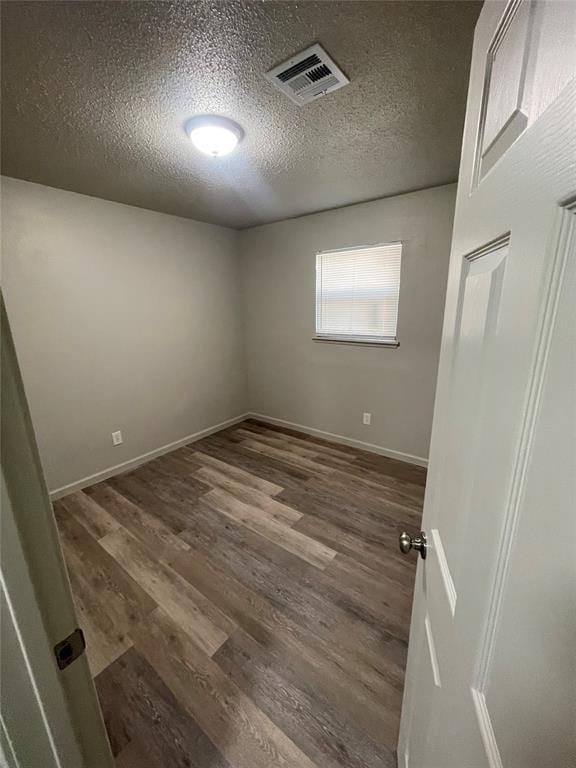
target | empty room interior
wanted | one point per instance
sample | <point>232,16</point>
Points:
<point>232,328</point>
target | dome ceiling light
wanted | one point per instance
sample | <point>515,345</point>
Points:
<point>214,135</point>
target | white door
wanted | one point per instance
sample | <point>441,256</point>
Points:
<point>491,677</point>
<point>49,714</point>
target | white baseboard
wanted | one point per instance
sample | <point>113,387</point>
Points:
<point>142,459</point>
<point>370,447</point>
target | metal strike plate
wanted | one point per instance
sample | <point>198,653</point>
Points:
<point>69,649</point>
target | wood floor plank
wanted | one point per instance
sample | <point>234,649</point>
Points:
<point>205,624</point>
<point>362,509</point>
<point>285,475</point>
<point>92,516</point>
<point>400,493</point>
<point>137,755</point>
<point>370,554</point>
<point>242,732</point>
<point>392,468</point>
<point>349,450</point>
<point>105,580</point>
<point>137,488</point>
<point>363,693</point>
<point>173,487</point>
<point>247,479</point>
<point>245,602</point>
<point>254,498</point>
<point>278,441</point>
<point>265,567</point>
<point>311,465</point>
<point>265,571</point>
<point>177,465</point>
<point>313,721</point>
<point>372,595</point>
<point>372,519</point>
<point>108,601</point>
<point>105,639</point>
<point>384,465</point>
<point>144,526</point>
<point>301,441</point>
<point>140,709</point>
<point>257,520</point>
<point>143,753</point>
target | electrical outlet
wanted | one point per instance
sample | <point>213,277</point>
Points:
<point>117,438</point>
<point>367,418</point>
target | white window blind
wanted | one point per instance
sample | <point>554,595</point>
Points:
<point>357,293</point>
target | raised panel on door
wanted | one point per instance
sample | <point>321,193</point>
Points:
<point>525,686</point>
<point>529,60</point>
<point>482,278</point>
<point>504,112</point>
<point>429,684</point>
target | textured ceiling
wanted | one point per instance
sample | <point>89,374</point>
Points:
<point>95,95</point>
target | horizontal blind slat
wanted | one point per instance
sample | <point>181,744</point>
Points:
<point>357,291</point>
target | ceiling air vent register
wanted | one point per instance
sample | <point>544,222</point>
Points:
<point>307,76</point>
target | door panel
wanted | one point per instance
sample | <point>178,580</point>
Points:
<point>529,61</point>
<point>504,114</point>
<point>477,323</point>
<point>64,724</point>
<point>528,687</point>
<point>494,622</point>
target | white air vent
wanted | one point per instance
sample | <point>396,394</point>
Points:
<point>307,76</point>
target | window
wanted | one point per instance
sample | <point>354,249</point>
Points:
<point>357,293</point>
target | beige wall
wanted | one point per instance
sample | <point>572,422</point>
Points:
<point>152,324</point>
<point>122,319</point>
<point>329,386</point>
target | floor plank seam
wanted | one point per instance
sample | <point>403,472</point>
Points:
<point>250,578</point>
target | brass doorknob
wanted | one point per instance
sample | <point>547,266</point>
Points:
<point>408,542</point>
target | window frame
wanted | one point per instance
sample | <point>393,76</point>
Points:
<point>363,340</point>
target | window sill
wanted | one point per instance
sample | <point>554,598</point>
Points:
<point>356,342</point>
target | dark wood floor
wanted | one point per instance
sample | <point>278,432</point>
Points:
<point>244,602</point>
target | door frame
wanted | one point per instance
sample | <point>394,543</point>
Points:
<point>38,611</point>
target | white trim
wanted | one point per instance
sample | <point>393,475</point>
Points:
<point>366,341</point>
<point>486,729</point>
<point>117,469</point>
<point>432,652</point>
<point>32,674</point>
<point>360,247</point>
<point>370,447</point>
<point>143,458</point>
<point>6,743</point>
<point>447,579</point>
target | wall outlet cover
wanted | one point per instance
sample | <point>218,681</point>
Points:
<point>367,418</point>
<point>117,438</point>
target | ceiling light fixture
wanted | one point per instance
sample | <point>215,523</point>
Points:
<point>214,135</point>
